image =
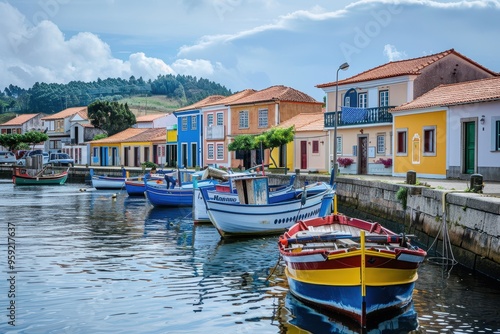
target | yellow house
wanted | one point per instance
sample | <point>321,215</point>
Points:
<point>129,148</point>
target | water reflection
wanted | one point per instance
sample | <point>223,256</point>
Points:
<point>306,318</point>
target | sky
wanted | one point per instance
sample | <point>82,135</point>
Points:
<point>240,44</point>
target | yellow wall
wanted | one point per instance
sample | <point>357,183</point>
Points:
<point>172,136</point>
<point>415,123</point>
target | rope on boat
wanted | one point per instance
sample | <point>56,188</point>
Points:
<point>447,258</point>
<point>274,268</point>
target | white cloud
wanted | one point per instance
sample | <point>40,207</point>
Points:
<point>198,67</point>
<point>41,53</point>
<point>392,54</point>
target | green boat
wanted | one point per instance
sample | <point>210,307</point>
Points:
<point>30,177</point>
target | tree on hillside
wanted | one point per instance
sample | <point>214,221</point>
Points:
<point>112,117</point>
<point>275,137</point>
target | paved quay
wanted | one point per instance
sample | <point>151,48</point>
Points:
<point>490,188</point>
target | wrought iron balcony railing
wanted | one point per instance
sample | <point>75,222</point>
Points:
<point>215,132</point>
<point>358,116</point>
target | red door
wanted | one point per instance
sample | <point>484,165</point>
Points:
<point>303,154</point>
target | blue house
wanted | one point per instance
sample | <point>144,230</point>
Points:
<point>190,132</point>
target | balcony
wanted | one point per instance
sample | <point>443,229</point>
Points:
<point>215,132</point>
<point>358,116</point>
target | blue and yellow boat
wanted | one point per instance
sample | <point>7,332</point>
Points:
<point>353,267</point>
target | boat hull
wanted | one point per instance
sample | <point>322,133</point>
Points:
<point>26,181</point>
<point>25,177</point>
<point>160,195</point>
<point>105,182</point>
<point>234,219</point>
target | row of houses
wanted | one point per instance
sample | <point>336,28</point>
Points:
<point>438,115</point>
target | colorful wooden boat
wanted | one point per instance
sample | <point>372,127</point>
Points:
<point>226,192</point>
<point>254,215</point>
<point>354,267</point>
<point>101,182</point>
<point>164,195</point>
<point>26,176</point>
<point>136,186</point>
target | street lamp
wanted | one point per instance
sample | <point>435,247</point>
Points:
<point>343,67</point>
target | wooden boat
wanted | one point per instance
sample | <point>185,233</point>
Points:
<point>351,266</point>
<point>164,195</point>
<point>254,215</point>
<point>27,176</point>
<point>108,182</point>
<point>136,186</point>
<point>226,192</point>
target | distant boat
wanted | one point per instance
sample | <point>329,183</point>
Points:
<point>136,186</point>
<point>354,267</point>
<point>108,182</point>
<point>26,176</point>
<point>254,215</point>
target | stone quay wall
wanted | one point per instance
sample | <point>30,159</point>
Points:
<point>472,229</point>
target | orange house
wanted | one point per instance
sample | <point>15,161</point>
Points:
<point>260,112</point>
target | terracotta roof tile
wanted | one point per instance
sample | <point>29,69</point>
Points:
<point>453,94</point>
<point>134,135</point>
<point>20,120</point>
<point>412,66</point>
<point>232,98</point>
<point>202,103</point>
<point>149,118</point>
<point>276,93</point>
<point>305,122</point>
<point>66,113</point>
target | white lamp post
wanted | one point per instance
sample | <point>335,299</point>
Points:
<point>343,67</point>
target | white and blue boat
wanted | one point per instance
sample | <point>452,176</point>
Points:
<point>254,215</point>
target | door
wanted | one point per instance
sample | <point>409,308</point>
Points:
<point>469,147</point>
<point>303,154</point>
<point>363,155</point>
<point>114,156</point>
<point>194,155</point>
<point>104,156</point>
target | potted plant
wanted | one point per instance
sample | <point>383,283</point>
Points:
<point>386,162</point>
<point>345,162</point>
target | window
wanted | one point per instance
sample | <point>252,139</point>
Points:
<point>220,118</point>
<point>184,124</point>
<point>315,146</point>
<point>355,150</point>
<point>243,119</point>
<point>220,151</point>
<point>194,122</point>
<point>210,153</point>
<point>430,140</point>
<point>402,142</point>
<point>210,119</point>
<point>381,143</point>
<point>262,118</point>
<point>383,98</point>
<point>497,136</point>
<point>339,145</point>
<point>362,100</point>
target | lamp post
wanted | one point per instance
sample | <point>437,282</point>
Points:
<point>343,67</point>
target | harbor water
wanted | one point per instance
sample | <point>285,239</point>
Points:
<point>77,260</point>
